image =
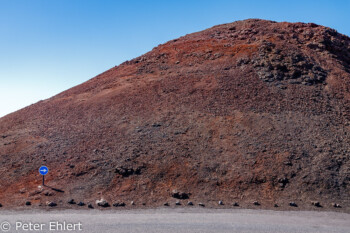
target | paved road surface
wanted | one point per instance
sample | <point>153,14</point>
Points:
<point>177,220</point>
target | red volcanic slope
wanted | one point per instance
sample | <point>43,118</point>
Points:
<point>251,110</point>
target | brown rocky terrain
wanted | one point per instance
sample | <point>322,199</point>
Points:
<point>248,111</point>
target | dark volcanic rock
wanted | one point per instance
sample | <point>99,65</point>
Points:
<point>253,109</point>
<point>293,204</point>
<point>71,202</point>
<point>117,204</point>
<point>285,66</point>
<point>190,203</point>
<point>51,204</point>
<point>335,205</point>
<point>256,203</point>
<point>316,203</point>
<point>102,203</point>
<point>180,195</point>
<point>125,172</point>
<point>81,204</point>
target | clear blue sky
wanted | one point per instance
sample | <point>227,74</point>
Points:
<point>47,46</point>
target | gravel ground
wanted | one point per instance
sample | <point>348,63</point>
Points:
<point>175,220</point>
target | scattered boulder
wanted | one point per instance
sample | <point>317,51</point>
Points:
<point>51,203</point>
<point>156,125</point>
<point>180,195</point>
<point>293,204</point>
<point>49,194</point>
<point>81,204</point>
<point>221,203</point>
<point>125,172</point>
<point>117,204</point>
<point>0,205</point>
<point>102,203</point>
<point>335,205</point>
<point>288,163</point>
<point>256,203</point>
<point>28,203</point>
<point>71,202</point>
<point>235,204</point>
<point>166,204</point>
<point>189,203</point>
<point>177,203</point>
<point>283,182</point>
<point>316,203</point>
<point>132,203</point>
<point>90,206</point>
<point>275,205</point>
<point>122,204</point>
<point>201,204</point>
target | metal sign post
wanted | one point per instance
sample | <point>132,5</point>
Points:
<point>43,170</point>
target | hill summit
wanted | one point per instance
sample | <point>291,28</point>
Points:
<point>248,111</point>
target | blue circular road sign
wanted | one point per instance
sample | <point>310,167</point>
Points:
<point>43,170</point>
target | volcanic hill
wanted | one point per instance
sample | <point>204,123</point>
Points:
<point>248,111</point>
